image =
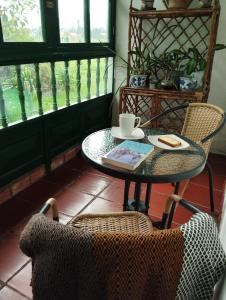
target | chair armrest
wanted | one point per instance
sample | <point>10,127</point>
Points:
<point>176,199</point>
<point>50,203</point>
<point>163,114</point>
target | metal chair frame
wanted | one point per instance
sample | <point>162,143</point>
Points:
<point>163,224</point>
<point>203,140</point>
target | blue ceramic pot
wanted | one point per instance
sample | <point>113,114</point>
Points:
<point>138,81</point>
<point>188,84</point>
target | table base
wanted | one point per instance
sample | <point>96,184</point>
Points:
<point>131,206</point>
<point>137,205</point>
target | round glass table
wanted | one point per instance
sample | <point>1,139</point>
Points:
<point>162,166</point>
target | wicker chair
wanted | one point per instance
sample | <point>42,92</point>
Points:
<point>122,256</point>
<point>201,123</point>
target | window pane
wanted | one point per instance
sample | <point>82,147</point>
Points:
<point>71,15</point>
<point>99,21</point>
<point>21,20</point>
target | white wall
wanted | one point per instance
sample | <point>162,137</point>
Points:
<point>218,83</point>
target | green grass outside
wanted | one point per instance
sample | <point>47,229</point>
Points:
<point>11,98</point>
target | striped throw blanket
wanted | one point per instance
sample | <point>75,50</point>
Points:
<point>70,263</point>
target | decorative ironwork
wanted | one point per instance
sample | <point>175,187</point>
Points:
<point>67,82</point>
<point>2,108</point>
<point>98,77</point>
<point>78,81</point>
<point>88,78</point>
<point>106,76</point>
<point>54,88</point>
<point>36,82</point>
<point>21,92</point>
<point>38,89</point>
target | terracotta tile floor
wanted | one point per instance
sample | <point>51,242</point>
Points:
<point>79,188</point>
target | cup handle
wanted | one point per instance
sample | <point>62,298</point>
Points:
<point>139,120</point>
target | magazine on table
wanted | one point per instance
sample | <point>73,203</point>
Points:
<point>128,154</point>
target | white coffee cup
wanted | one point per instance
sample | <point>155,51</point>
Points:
<point>127,123</point>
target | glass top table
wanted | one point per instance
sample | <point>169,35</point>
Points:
<point>162,166</point>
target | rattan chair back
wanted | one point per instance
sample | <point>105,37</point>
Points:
<point>201,120</point>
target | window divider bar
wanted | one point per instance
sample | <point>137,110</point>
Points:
<point>50,22</point>
<point>2,108</point>
<point>54,87</point>
<point>38,89</point>
<point>88,78</point>
<point>87,20</point>
<point>78,81</point>
<point>67,82</point>
<point>20,89</point>
<point>1,33</point>
<point>111,22</point>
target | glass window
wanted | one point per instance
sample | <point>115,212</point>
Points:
<point>99,21</point>
<point>71,15</point>
<point>21,20</point>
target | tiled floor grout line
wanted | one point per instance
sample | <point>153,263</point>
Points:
<point>17,291</point>
<point>2,285</point>
<point>207,186</point>
<point>21,268</point>
<point>6,283</point>
<point>95,197</point>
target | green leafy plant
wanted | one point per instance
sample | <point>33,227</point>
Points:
<point>196,61</point>
<point>168,62</point>
<point>142,62</point>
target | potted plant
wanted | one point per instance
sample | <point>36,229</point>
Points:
<point>170,63</point>
<point>178,3</point>
<point>195,67</point>
<point>147,4</point>
<point>140,69</point>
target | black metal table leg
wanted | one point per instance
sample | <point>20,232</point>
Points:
<point>137,196</point>
<point>148,195</point>
<point>210,174</point>
<point>176,190</point>
<point>126,194</point>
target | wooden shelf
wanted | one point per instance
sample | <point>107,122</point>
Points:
<point>174,93</point>
<point>171,13</point>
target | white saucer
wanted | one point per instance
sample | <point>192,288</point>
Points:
<point>154,140</point>
<point>137,134</point>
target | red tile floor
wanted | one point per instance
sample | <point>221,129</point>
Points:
<point>79,188</point>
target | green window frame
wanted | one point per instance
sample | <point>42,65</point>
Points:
<point>51,48</point>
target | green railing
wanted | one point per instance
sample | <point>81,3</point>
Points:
<point>31,90</point>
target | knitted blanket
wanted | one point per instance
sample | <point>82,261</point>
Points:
<point>69,263</point>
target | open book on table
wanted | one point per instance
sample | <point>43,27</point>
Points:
<point>128,154</point>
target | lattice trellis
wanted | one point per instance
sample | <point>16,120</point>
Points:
<point>158,34</point>
<point>155,32</point>
<point>147,104</point>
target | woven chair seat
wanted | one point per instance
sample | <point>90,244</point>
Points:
<point>131,222</point>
